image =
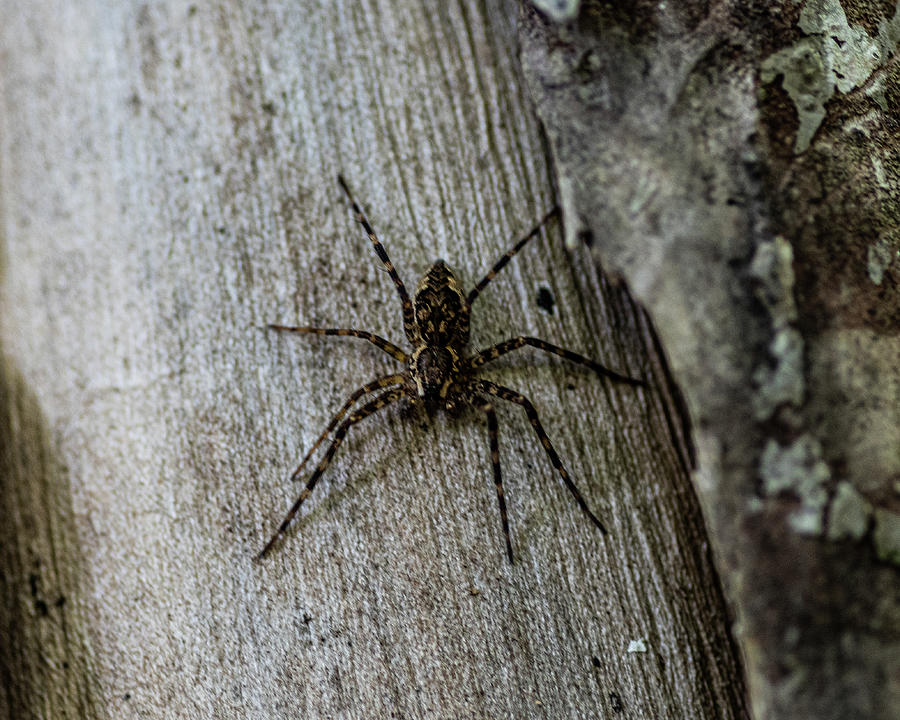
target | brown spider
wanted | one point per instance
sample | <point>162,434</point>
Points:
<point>436,374</point>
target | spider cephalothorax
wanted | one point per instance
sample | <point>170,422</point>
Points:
<point>432,372</point>
<point>436,372</point>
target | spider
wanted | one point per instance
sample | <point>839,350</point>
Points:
<point>437,374</point>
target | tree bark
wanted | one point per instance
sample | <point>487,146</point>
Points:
<point>737,165</point>
<point>168,188</point>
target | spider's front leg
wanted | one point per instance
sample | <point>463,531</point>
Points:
<point>376,340</point>
<point>501,263</point>
<point>409,323</point>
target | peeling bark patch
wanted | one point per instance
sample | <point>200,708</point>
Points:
<point>804,77</point>
<point>887,536</point>
<point>849,514</point>
<point>833,55</point>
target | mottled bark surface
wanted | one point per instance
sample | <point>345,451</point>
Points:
<point>738,164</point>
<point>167,185</point>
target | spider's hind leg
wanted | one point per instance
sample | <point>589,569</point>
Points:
<point>489,388</point>
<point>382,382</point>
<point>495,462</point>
<point>371,407</point>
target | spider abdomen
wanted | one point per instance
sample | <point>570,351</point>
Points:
<point>441,309</point>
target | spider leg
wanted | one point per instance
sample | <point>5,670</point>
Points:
<point>371,407</point>
<point>408,319</point>
<point>377,341</point>
<point>495,462</point>
<point>492,353</point>
<point>501,263</point>
<point>489,388</point>
<point>383,382</point>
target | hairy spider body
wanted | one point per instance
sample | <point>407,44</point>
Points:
<point>437,374</point>
<point>442,329</point>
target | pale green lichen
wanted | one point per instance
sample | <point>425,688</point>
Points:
<point>782,382</point>
<point>887,536</point>
<point>849,514</point>
<point>881,177</point>
<point>833,55</point>
<point>773,269</point>
<point>559,10</point>
<point>880,255</point>
<point>800,470</point>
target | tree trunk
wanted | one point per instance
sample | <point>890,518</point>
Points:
<point>738,164</point>
<point>168,188</point>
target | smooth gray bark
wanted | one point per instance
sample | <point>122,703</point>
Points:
<point>167,186</point>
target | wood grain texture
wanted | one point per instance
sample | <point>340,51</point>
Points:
<point>168,187</point>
